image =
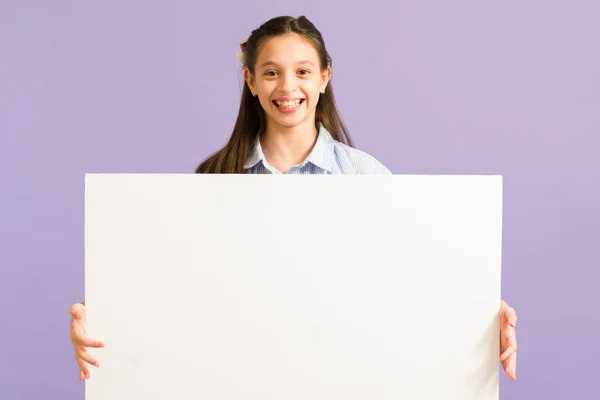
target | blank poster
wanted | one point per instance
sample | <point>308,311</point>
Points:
<point>300,287</point>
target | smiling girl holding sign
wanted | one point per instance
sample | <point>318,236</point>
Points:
<point>288,123</point>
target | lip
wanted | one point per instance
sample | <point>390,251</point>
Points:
<point>287,98</point>
<point>289,110</point>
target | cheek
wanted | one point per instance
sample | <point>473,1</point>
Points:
<point>312,89</point>
<point>264,101</point>
<point>263,93</point>
<point>265,89</point>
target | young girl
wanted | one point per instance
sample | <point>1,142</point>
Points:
<point>288,123</point>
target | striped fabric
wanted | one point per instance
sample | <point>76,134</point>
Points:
<point>328,157</point>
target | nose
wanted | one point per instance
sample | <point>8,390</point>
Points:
<point>287,82</point>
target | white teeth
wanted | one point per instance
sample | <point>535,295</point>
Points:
<point>288,104</point>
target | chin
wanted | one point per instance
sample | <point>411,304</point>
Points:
<point>290,122</point>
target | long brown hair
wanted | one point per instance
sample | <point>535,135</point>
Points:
<point>251,120</point>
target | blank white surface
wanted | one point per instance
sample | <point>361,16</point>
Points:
<point>261,287</point>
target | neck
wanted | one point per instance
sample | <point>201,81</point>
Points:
<point>285,147</point>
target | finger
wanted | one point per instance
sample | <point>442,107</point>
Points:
<point>87,342</point>
<point>85,356</point>
<point>511,369</point>
<point>510,344</point>
<point>81,375</point>
<point>85,372</point>
<point>508,352</point>
<point>78,336</point>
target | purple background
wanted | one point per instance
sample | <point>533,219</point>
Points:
<point>476,87</point>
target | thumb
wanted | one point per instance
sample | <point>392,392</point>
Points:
<point>78,312</point>
<point>512,318</point>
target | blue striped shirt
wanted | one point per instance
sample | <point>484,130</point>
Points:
<point>328,157</point>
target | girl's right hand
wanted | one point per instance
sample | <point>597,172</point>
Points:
<point>81,342</point>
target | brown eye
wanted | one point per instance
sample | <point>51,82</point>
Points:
<point>304,72</point>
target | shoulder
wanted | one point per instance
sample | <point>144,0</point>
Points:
<point>354,161</point>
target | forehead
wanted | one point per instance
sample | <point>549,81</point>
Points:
<point>286,49</point>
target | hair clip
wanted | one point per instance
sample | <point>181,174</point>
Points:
<point>243,47</point>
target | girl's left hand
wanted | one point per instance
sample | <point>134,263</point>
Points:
<point>508,340</point>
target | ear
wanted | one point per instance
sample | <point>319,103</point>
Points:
<point>325,77</point>
<point>250,81</point>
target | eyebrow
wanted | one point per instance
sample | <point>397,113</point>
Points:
<point>273,63</point>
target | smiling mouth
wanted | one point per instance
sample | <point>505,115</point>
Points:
<point>284,105</point>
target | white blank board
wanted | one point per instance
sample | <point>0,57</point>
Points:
<point>261,287</point>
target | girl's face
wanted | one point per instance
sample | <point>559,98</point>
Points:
<point>288,81</point>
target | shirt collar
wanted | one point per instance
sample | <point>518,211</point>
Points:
<point>321,154</point>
